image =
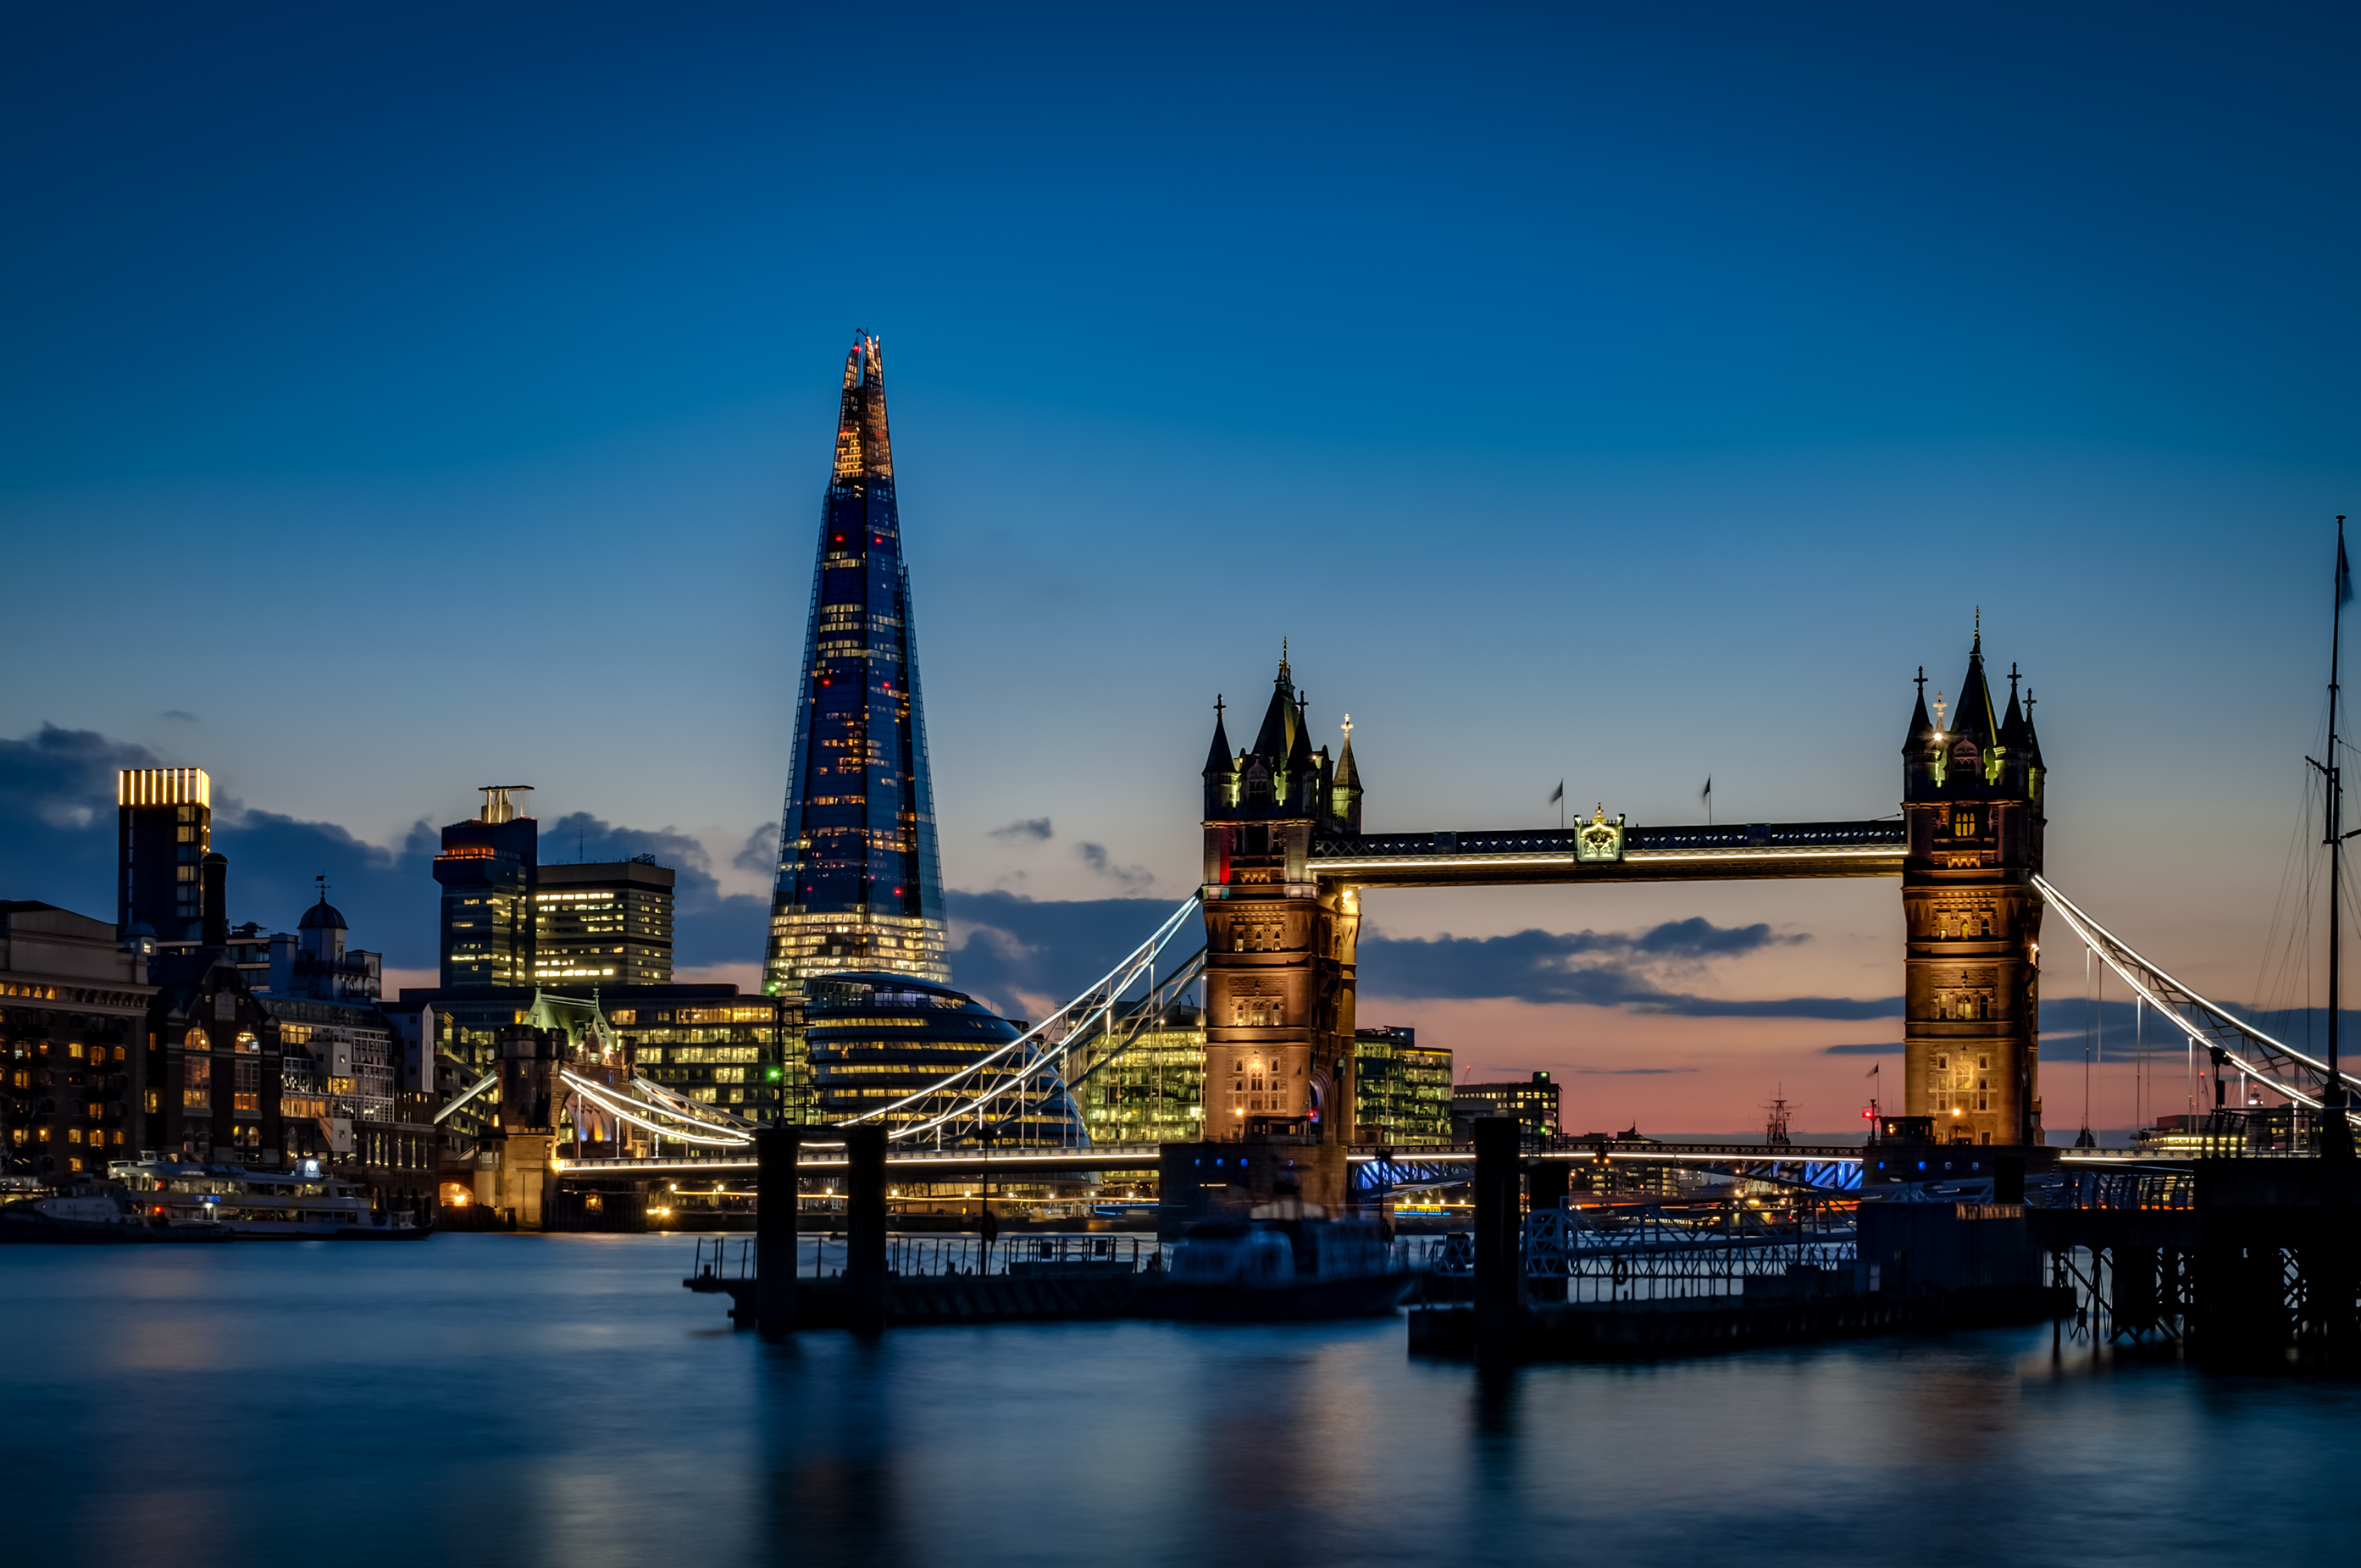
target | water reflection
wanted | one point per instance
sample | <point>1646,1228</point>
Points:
<point>534,1401</point>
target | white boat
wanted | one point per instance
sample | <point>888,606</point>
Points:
<point>263,1205</point>
<point>100,1215</point>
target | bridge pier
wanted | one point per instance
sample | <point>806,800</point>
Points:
<point>1499,1259</point>
<point>864,1229</point>
<point>774,1229</point>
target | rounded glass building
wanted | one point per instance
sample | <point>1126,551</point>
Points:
<point>877,1038</point>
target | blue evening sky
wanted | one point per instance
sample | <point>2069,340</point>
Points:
<point>393,399</point>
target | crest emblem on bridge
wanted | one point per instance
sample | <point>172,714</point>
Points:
<point>1599,839</point>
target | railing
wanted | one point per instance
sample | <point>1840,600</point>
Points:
<point>1651,1254</point>
<point>823,1256</point>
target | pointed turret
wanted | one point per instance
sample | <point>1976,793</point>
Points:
<point>1972,718</point>
<point>1218,760</point>
<point>1345,788</point>
<point>2032,736</point>
<point>1275,741</point>
<point>1221,768</point>
<point>2012,724</point>
<point>1922,729</point>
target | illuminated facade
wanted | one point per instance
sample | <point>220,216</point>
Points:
<point>1971,791</point>
<point>1154,1092</point>
<point>1280,945</point>
<point>487,869</point>
<point>859,885</point>
<point>1402,1089</point>
<point>602,925</point>
<point>875,1039</point>
<point>166,821</point>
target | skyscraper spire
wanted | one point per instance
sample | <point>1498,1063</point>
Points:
<point>860,881</point>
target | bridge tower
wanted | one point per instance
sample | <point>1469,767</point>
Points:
<point>1973,795</point>
<point>1279,943</point>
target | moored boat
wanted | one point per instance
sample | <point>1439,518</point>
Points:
<point>261,1205</point>
<point>99,1216</point>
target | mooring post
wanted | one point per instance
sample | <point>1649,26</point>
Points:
<point>774,1229</point>
<point>1499,1260</point>
<point>864,1229</point>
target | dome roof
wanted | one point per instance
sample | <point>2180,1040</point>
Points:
<point>322,915</point>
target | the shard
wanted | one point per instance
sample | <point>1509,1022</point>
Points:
<point>860,884</point>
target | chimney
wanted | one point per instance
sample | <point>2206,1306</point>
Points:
<point>216,906</point>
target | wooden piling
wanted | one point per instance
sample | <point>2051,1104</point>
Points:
<point>1499,1257</point>
<point>864,1229</point>
<point>774,1229</point>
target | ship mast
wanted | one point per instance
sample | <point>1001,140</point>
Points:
<point>2335,1132</point>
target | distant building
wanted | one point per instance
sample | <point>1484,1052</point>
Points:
<point>876,1039</point>
<point>165,818</point>
<point>1155,1091</point>
<point>1531,1101</point>
<point>1402,1089</point>
<point>314,962</point>
<point>487,870</point>
<point>602,925</point>
<point>72,1063</point>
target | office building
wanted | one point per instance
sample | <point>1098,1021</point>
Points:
<point>1155,1091</point>
<point>487,871</point>
<point>1533,1101</point>
<point>73,1072</point>
<point>165,818</point>
<point>858,886</point>
<point>877,1040</point>
<point>1402,1089</point>
<point>602,925</point>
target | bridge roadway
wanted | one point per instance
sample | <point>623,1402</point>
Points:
<point>1739,851</point>
<point>919,1164</point>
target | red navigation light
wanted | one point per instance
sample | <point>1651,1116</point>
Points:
<point>897,893</point>
<point>1867,1115</point>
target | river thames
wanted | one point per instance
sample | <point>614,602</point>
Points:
<point>562,1400</point>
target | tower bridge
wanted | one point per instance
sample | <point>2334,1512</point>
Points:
<point>1271,935</point>
<point>1286,861</point>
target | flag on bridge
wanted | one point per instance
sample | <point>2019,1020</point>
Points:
<point>1556,795</point>
<point>2344,571</point>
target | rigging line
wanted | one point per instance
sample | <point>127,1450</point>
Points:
<point>1108,987</point>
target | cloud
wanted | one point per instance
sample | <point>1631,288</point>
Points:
<point>1010,946</point>
<point>761,850</point>
<point>57,844</point>
<point>1598,968</point>
<point>178,714</point>
<point>1133,879</point>
<point>56,816</point>
<point>1629,1071</point>
<point>1034,829</point>
<point>1879,1050</point>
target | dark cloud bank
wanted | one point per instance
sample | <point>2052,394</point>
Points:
<point>57,844</point>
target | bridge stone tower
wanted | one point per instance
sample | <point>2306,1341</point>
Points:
<point>1279,944</point>
<point>1971,790</point>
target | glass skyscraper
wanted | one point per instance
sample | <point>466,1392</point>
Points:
<point>860,884</point>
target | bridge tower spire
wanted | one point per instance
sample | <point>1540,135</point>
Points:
<point>1279,943</point>
<point>1973,797</point>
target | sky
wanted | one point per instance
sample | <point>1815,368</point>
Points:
<point>396,399</point>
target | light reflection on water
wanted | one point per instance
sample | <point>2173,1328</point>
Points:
<point>561,1400</point>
